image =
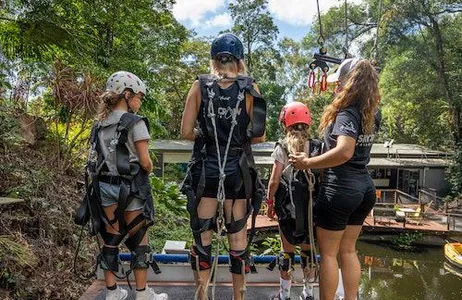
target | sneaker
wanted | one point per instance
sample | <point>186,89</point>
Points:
<point>117,294</point>
<point>149,294</point>
<point>305,296</point>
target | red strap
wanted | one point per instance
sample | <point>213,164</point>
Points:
<point>311,79</point>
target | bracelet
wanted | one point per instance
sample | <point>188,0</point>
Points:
<point>270,202</point>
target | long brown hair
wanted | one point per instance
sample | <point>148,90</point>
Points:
<point>295,140</point>
<point>108,100</point>
<point>361,87</point>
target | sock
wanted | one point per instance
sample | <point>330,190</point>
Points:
<point>308,289</point>
<point>141,290</point>
<point>112,288</point>
<point>285,285</point>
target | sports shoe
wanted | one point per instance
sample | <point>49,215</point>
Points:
<point>149,294</point>
<point>117,294</point>
<point>305,296</point>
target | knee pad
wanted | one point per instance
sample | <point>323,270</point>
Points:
<point>240,262</point>
<point>305,258</point>
<point>286,261</point>
<point>141,257</point>
<point>198,260</point>
<point>109,259</point>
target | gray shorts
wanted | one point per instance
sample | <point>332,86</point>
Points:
<point>110,195</point>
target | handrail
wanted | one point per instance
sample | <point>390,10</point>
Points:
<point>408,196</point>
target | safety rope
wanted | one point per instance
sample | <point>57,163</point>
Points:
<point>375,49</point>
<point>321,36</point>
<point>221,195</point>
<point>313,253</point>
<point>310,178</point>
<point>346,25</point>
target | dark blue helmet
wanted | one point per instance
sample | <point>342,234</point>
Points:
<point>227,43</point>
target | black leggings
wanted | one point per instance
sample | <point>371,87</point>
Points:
<point>346,197</point>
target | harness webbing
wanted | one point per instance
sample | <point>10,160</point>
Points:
<point>221,195</point>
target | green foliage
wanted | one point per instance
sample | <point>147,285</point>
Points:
<point>254,24</point>
<point>171,217</point>
<point>454,172</point>
<point>10,129</point>
<point>406,241</point>
<point>15,255</point>
<point>272,244</point>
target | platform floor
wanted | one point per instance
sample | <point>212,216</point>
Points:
<point>185,291</point>
<point>425,225</point>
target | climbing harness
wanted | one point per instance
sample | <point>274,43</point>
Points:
<point>290,204</point>
<point>111,164</point>
<point>194,182</point>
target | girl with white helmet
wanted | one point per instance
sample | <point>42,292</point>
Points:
<point>118,166</point>
<point>290,196</point>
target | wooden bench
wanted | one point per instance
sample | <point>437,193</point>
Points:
<point>383,211</point>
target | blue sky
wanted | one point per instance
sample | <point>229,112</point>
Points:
<point>208,17</point>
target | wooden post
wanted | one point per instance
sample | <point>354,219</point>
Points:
<point>447,215</point>
<point>4,200</point>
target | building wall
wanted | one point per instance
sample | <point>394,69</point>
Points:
<point>434,179</point>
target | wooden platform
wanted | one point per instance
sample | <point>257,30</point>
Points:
<point>186,290</point>
<point>382,224</point>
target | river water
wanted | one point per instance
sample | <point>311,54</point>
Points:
<point>388,274</point>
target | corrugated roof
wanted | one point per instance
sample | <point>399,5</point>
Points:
<point>381,162</point>
<point>397,150</point>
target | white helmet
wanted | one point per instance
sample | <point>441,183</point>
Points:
<point>121,80</point>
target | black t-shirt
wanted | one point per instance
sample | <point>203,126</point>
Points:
<point>224,105</point>
<point>348,122</point>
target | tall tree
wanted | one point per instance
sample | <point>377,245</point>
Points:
<point>254,24</point>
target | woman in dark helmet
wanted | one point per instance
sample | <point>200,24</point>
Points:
<point>289,197</point>
<point>224,113</point>
<point>347,193</point>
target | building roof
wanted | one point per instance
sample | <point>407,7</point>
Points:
<point>267,147</point>
<point>399,155</point>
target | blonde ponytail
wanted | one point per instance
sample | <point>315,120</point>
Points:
<point>108,101</point>
<point>295,140</point>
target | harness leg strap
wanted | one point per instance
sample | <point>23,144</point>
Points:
<point>308,266</point>
<point>286,261</point>
<point>305,259</point>
<point>241,262</point>
<point>200,261</point>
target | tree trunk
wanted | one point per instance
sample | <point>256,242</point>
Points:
<point>441,70</point>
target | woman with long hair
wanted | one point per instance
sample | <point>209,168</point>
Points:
<point>224,113</point>
<point>347,192</point>
<point>119,164</point>
<point>290,195</point>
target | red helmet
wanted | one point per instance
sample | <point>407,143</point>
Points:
<point>295,113</point>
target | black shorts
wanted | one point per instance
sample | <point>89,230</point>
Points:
<point>287,228</point>
<point>346,197</point>
<point>232,182</point>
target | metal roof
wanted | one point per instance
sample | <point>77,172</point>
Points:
<point>398,150</point>
<point>400,155</point>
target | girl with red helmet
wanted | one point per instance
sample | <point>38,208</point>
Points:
<point>289,198</point>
